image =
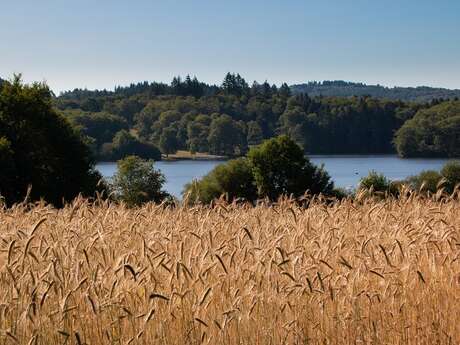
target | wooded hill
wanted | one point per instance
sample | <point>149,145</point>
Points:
<point>227,119</point>
<point>340,88</point>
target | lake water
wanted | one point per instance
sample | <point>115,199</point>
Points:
<point>344,170</point>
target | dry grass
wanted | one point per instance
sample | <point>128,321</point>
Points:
<point>187,155</point>
<point>376,273</point>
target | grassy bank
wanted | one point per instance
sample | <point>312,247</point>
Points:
<point>187,155</point>
<point>373,273</point>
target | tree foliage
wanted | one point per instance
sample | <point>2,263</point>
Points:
<point>234,179</point>
<point>280,168</point>
<point>432,132</point>
<point>451,174</point>
<point>39,148</point>
<point>426,181</point>
<point>168,140</point>
<point>137,182</point>
<point>276,167</point>
<point>226,119</point>
<point>431,181</point>
<point>378,183</point>
<point>125,144</point>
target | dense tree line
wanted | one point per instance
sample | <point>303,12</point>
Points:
<point>230,118</point>
<point>109,136</point>
<point>432,132</point>
<point>339,88</point>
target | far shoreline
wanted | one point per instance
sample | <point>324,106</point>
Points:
<point>204,157</point>
<point>186,155</point>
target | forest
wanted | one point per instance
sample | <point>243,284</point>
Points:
<point>340,88</point>
<point>228,119</point>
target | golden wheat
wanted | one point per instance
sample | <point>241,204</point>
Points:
<point>367,272</point>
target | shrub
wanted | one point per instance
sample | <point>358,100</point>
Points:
<point>451,173</point>
<point>39,148</point>
<point>426,181</point>
<point>137,182</point>
<point>377,183</point>
<point>233,178</point>
<point>125,144</point>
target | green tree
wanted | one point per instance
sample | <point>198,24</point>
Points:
<point>168,141</point>
<point>451,173</point>
<point>128,108</point>
<point>378,183</point>
<point>100,126</point>
<point>42,148</point>
<point>255,134</point>
<point>233,179</point>
<point>125,144</point>
<point>426,181</point>
<point>137,182</point>
<point>431,180</point>
<point>280,168</point>
<point>406,141</point>
<point>234,84</point>
<point>7,168</point>
<point>226,137</point>
<point>197,133</point>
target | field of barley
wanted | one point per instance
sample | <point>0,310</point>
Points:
<point>374,272</point>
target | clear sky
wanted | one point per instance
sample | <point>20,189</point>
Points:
<point>103,43</point>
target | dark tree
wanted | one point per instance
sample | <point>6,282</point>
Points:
<point>168,141</point>
<point>125,144</point>
<point>226,137</point>
<point>432,132</point>
<point>39,148</point>
<point>234,179</point>
<point>280,168</point>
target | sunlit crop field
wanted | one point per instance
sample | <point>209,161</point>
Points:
<point>376,272</point>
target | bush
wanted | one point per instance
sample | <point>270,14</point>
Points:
<point>124,144</point>
<point>431,180</point>
<point>137,182</point>
<point>377,183</point>
<point>275,168</point>
<point>426,181</point>
<point>451,173</point>
<point>432,132</point>
<point>233,178</point>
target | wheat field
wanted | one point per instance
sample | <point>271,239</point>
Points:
<point>370,272</point>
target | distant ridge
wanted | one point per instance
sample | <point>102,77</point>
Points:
<point>339,88</point>
<point>327,88</point>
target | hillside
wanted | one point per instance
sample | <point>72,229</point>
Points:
<point>340,88</point>
<point>432,132</point>
<point>226,120</point>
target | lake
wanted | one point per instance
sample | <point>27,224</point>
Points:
<point>344,170</point>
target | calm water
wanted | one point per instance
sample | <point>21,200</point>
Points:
<point>344,170</point>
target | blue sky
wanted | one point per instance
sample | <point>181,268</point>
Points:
<point>102,43</point>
